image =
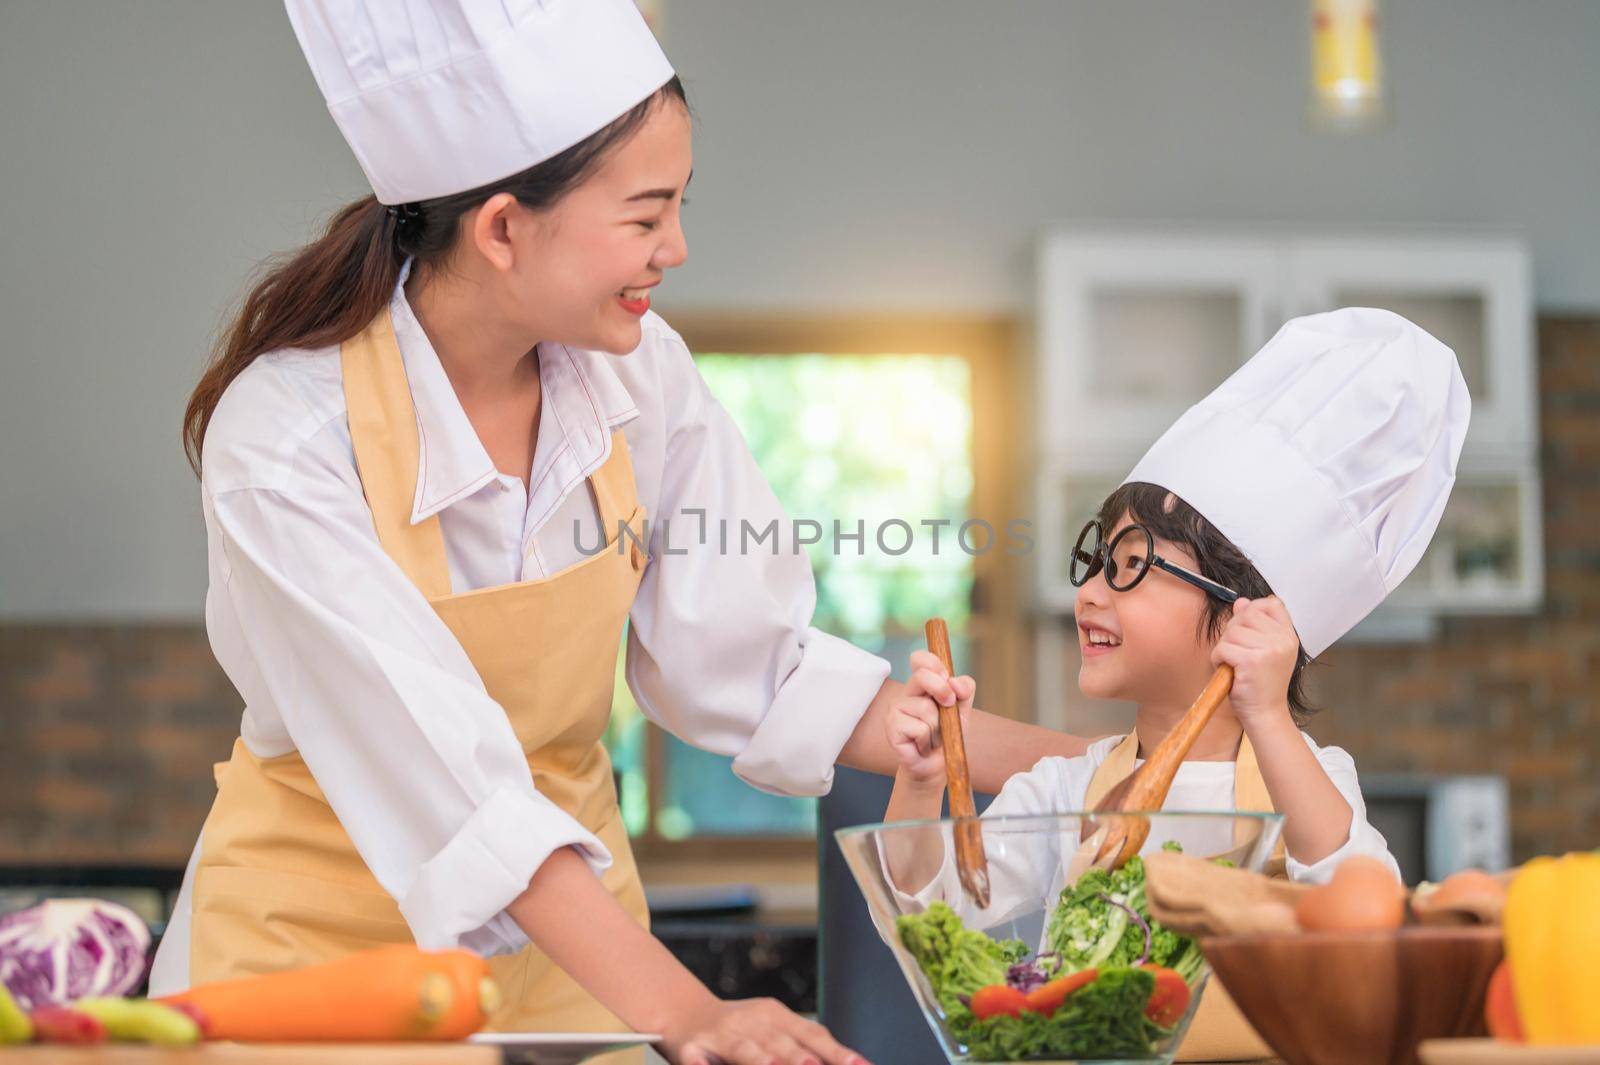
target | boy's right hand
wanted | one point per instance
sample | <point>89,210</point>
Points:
<point>913,721</point>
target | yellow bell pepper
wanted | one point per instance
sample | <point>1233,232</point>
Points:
<point>1552,930</point>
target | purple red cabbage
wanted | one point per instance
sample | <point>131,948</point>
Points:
<point>1027,975</point>
<point>66,949</point>
<point>1133,915</point>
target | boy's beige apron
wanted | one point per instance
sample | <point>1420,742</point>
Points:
<point>1219,1031</point>
<point>279,883</point>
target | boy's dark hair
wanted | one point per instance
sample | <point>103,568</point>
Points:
<point>1169,518</point>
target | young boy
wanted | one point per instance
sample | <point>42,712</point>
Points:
<point>1260,528</point>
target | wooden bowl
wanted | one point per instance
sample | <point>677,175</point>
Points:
<point>1358,998</point>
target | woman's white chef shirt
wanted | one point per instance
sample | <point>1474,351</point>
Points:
<point>1062,784</point>
<point>339,656</point>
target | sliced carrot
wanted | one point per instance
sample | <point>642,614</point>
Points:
<point>997,999</point>
<point>1047,998</point>
<point>390,993</point>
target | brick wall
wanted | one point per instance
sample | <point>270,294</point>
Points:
<point>110,731</point>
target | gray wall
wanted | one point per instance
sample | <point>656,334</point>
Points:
<point>851,154</point>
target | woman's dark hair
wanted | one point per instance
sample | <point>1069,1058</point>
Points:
<point>329,290</point>
<point>1170,518</point>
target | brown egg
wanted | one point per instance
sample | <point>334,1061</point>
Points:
<point>1469,886</point>
<point>1363,896</point>
<point>1468,897</point>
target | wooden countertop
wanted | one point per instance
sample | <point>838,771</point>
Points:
<point>241,1054</point>
<point>286,1054</point>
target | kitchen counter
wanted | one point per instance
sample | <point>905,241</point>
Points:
<point>307,1054</point>
<point>239,1054</point>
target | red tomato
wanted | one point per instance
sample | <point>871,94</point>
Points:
<point>996,999</point>
<point>1169,1000</point>
<point>1047,998</point>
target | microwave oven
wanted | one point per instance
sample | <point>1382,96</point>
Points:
<point>1436,825</point>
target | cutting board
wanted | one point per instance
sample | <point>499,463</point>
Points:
<point>240,1054</point>
<point>1494,1052</point>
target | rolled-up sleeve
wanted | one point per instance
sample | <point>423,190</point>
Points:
<point>418,762</point>
<point>722,651</point>
<point>1363,838</point>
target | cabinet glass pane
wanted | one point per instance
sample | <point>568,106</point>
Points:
<point>1162,345</point>
<point>1082,496</point>
<point>1457,319</point>
<point>1478,548</point>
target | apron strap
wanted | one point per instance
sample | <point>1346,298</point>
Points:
<point>1250,793</point>
<point>383,431</point>
<point>1113,771</point>
<point>615,493</point>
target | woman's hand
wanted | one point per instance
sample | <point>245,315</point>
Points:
<point>1262,647</point>
<point>757,1031</point>
<point>912,724</point>
<point>568,913</point>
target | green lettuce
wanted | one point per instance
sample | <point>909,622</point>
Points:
<point>956,960</point>
<point>1104,1019</point>
<point>1091,931</point>
<point>1090,927</point>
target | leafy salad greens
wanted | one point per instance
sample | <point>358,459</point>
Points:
<point>1102,921</point>
<point>1104,985</point>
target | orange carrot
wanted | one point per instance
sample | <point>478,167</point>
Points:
<point>477,996</point>
<point>387,994</point>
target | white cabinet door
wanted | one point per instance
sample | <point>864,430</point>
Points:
<point>1473,294</point>
<point>1133,329</point>
<point>1068,496</point>
<point>1136,327</point>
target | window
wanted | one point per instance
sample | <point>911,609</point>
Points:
<point>856,431</point>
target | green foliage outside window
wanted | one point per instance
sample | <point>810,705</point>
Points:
<point>868,439</point>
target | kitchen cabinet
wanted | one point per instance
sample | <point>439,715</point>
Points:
<point>1474,294</point>
<point>1132,328</point>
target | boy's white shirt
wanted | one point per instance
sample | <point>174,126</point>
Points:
<point>1061,784</point>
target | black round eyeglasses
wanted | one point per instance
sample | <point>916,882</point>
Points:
<point>1126,560</point>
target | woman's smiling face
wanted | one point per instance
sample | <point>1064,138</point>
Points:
<point>1144,645</point>
<point>587,270</point>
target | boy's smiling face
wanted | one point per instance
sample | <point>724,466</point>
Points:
<point>1146,645</point>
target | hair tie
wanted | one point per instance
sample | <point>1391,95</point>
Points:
<point>405,215</point>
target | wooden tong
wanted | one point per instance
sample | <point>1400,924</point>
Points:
<point>1120,838</point>
<point>971,864</point>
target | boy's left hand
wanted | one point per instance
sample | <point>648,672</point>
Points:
<point>1262,647</point>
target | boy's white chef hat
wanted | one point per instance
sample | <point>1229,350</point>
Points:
<point>441,96</point>
<point>1327,459</point>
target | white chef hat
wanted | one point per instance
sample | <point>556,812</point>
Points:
<point>1326,459</point>
<point>441,96</point>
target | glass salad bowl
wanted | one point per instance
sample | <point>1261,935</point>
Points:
<point>1064,964</point>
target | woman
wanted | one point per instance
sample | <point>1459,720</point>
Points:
<point>403,441</point>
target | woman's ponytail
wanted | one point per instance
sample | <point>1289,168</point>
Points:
<point>321,294</point>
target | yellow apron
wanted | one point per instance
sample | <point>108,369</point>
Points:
<point>1219,1031</point>
<point>279,883</point>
